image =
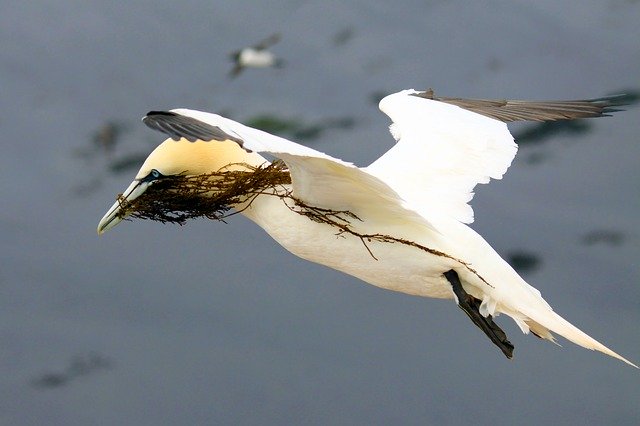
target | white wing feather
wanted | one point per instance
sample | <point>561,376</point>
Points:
<point>442,152</point>
<point>319,179</point>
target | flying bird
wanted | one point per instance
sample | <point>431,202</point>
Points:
<point>257,56</point>
<point>402,222</point>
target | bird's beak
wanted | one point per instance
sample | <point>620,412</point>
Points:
<point>115,214</point>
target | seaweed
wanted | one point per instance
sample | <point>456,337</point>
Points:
<point>176,199</point>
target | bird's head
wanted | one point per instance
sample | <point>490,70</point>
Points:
<point>173,158</point>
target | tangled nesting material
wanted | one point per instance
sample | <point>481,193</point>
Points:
<point>176,199</point>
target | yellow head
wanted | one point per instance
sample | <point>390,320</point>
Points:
<point>181,157</point>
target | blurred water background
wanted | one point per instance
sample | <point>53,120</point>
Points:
<point>215,324</point>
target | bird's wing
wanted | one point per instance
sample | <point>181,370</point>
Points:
<point>267,42</point>
<point>515,110</point>
<point>446,146</point>
<point>317,179</point>
<point>236,70</point>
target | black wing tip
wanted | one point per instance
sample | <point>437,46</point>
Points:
<point>151,120</point>
<point>616,99</point>
<point>165,113</point>
<point>499,109</point>
<point>619,99</point>
<point>178,126</point>
<point>611,103</point>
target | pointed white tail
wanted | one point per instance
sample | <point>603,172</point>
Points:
<point>554,322</point>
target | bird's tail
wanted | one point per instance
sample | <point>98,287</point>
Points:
<point>543,321</point>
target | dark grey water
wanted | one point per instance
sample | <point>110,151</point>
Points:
<point>213,323</point>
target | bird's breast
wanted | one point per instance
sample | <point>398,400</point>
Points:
<point>386,264</point>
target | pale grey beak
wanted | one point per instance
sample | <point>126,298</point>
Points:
<point>114,216</point>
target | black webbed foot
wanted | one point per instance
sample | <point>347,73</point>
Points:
<point>471,306</point>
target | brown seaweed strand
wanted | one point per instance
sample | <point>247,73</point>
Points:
<point>340,219</point>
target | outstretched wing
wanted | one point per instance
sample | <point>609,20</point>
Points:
<point>267,42</point>
<point>515,110</point>
<point>446,146</point>
<point>317,178</point>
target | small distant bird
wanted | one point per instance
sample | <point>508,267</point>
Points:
<point>106,137</point>
<point>257,56</point>
<point>401,222</point>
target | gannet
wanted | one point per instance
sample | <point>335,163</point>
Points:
<point>257,56</point>
<point>410,208</point>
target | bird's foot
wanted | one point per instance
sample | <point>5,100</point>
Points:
<point>471,306</point>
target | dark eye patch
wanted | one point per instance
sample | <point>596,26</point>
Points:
<point>152,176</point>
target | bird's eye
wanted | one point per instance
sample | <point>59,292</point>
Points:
<point>152,176</point>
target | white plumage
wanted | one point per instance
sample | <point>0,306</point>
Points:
<point>417,192</point>
<point>437,174</point>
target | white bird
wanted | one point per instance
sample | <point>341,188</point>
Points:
<point>257,56</point>
<point>411,204</point>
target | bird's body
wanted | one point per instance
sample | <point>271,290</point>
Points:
<point>401,223</point>
<point>255,58</point>
<point>402,268</point>
<point>412,262</point>
<point>258,56</point>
